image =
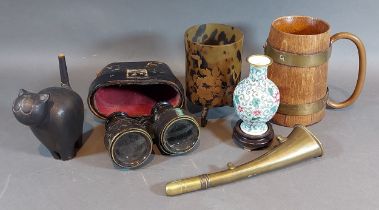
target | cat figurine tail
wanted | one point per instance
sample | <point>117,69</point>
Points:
<point>55,115</point>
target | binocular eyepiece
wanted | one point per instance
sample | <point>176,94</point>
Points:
<point>129,141</point>
<point>175,131</point>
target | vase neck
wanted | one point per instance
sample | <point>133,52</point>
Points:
<point>258,73</point>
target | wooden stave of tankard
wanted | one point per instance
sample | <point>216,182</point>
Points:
<point>300,47</point>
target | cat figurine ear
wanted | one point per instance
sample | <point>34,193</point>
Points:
<point>44,97</point>
<point>22,92</point>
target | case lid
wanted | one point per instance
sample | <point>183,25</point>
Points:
<point>133,88</point>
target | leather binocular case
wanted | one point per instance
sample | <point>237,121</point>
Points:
<point>142,102</point>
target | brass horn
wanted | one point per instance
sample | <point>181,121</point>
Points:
<point>301,144</point>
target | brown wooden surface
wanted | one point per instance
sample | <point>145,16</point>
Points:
<point>300,35</point>
<point>252,142</point>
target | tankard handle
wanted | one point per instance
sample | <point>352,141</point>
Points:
<point>361,73</point>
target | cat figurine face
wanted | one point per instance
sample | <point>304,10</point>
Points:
<point>30,108</point>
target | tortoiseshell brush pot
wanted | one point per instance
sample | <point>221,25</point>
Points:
<point>213,65</point>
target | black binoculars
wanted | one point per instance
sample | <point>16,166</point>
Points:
<point>142,104</point>
<point>129,140</point>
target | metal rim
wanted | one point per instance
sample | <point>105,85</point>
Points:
<point>165,145</point>
<point>114,140</point>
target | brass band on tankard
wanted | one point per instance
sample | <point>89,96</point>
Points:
<point>299,60</point>
<point>303,109</point>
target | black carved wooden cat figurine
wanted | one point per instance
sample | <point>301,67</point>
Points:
<point>55,115</point>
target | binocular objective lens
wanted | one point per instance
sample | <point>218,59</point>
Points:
<point>131,149</point>
<point>181,136</point>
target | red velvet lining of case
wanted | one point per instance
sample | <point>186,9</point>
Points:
<point>135,100</point>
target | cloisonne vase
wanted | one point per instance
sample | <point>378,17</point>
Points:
<point>256,100</point>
